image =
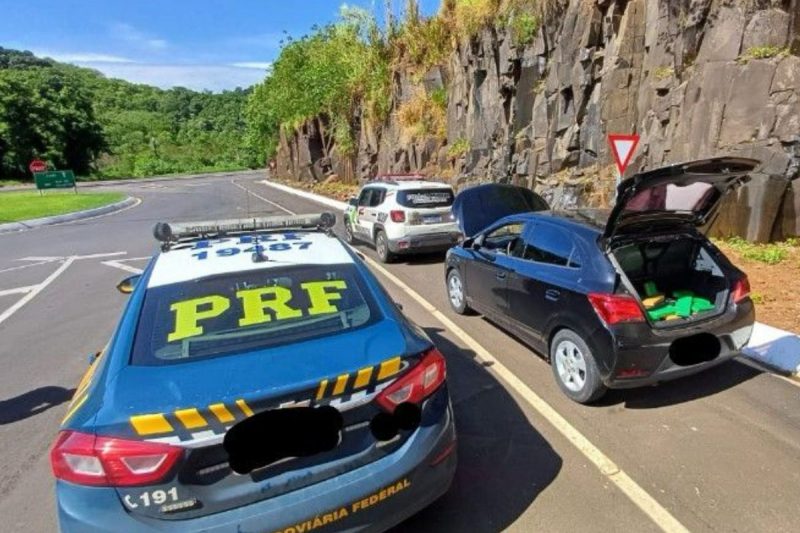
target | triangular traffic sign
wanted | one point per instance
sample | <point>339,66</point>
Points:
<point>622,147</point>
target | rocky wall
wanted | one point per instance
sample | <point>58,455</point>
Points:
<point>689,76</point>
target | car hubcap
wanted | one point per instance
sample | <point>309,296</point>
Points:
<point>456,291</point>
<point>381,247</point>
<point>571,365</point>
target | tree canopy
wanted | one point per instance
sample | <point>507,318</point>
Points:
<point>76,118</point>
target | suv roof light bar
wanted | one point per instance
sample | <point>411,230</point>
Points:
<point>171,232</point>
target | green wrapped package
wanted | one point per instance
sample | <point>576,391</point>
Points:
<point>684,304</point>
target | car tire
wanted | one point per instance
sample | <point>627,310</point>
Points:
<point>456,294</point>
<point>348,233</point>
<point>382,247</point>
<point>574,367</point>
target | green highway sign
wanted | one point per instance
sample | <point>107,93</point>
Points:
<point>55,179</point>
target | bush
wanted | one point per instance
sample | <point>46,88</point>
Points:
<point>421,116</point>
<point>459,147</point>
<point>762,52</point>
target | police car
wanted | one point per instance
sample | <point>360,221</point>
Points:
<point>260,379</point>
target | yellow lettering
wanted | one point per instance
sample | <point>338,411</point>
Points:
<point>317,523</point>
<point>254,305</point>
<point>342,513</point>
<point>320,299</point>
<point>390,491</point>
<point>382,494</point>
<point>188,314</point>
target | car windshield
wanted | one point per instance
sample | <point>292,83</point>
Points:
<point>234,313</point>
<point>425,197</point>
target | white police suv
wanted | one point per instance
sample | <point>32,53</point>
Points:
<point>402,214</point>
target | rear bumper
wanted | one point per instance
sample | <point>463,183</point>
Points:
<point>427,242</point>
<point>374,497</point>
<point>640,349</point>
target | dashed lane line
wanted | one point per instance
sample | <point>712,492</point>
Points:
<point>270,202</point>
<point>640,497</point>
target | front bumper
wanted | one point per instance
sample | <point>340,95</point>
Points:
<point>642,354</point>
<point>424,242</point>
<point>374,497</point>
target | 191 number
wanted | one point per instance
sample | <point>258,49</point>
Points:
<point>156,497</point>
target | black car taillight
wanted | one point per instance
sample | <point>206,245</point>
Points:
<point>87,459</point>
<point>417,384</point>
<point>741,289</point>
<point>616,308</point>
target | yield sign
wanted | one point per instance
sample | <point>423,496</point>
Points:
<point>622,146</point>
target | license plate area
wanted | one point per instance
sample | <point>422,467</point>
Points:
<point>278,434</point>
<point>432,219</point>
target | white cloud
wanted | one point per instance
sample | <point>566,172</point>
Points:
<point>198,77</point>
<point>88,57</point>
<point>260,65</point>
<point>138,38</point>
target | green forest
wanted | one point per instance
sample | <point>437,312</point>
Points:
<point>76,118</point>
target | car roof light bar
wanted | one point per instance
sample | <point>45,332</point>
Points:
<point>171,232</point>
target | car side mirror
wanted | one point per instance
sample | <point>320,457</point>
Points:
<point>93,357</point>
<point>477,242</point>
<point>399,305</point>
<point>127,285</point>
<point>352,201</point>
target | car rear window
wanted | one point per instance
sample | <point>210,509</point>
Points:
<point>246,311</point>
<point>425,197</point>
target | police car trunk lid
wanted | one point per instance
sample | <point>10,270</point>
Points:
<point>193,405</point>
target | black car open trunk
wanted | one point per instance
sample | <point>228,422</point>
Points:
<point>675,277</point>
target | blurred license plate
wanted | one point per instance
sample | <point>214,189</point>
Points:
<point>432,219</point>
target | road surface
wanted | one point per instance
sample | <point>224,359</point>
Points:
<point>719,451</point>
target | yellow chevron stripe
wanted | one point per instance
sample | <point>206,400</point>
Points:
<point>389,368</point>
<point>191,418</point>
<point>362,378</point>
<point>321,391</point>
<point>244,407</point>
<point>341,383</point>
<point>150,424</point>
<point>221,412</point>
<point>73,408</point>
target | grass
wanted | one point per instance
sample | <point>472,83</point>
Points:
<point>524,27</point>
<point>422,116</point>
<point>663,72</point>
<point>458,148</point>
<point>762,52</point>
<point>25,205</point>
<point>771,254</point>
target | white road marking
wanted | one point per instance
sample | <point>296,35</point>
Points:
<point>81,220</point>
<point>270,202</point>
<point>657,513</point>
<point>121,266</point>
<point>43,258</point>
<point>654,510</point>
<point>36,289</point>
<point>21,267</point>
<point>39,288</point>
<point>18,290</point>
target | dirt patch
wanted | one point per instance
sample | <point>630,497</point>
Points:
<point>775,288</point>
<point>331,187</point>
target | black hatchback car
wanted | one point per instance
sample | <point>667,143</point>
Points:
<point>621,299</point>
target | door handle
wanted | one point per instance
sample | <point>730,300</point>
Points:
<point>552,295</point>
<point>500,275</point>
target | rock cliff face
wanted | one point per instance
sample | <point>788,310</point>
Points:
<point>695,78</point>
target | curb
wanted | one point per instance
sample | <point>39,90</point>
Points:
<point>314,197</point>
<point>772,348</point>
<point>129,181</point>
<point>23,225</point>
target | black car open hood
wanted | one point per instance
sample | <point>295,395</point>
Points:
<point>677,195</point>
<point>481,206</point>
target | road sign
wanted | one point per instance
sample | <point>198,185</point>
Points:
<point>37,165</point>
<point>623,147</point>
<point>55,179</point>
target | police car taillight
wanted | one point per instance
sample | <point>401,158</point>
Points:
<point>417,384</point>
<point>106,461</point>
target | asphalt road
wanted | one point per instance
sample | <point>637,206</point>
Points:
<point>719,451</point>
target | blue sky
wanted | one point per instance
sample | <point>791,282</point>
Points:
<point>200,44</point>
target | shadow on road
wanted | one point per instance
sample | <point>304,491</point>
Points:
<point>707,383</point>
<point>33,403</point>
<point>503,462</point>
